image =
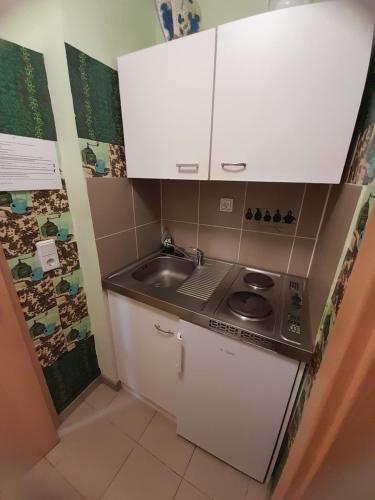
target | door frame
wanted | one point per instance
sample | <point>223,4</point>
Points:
<point>17,321</point>
<point>345,370</point>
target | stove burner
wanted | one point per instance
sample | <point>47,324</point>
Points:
<point>249,304</point>
<point>259,280</point>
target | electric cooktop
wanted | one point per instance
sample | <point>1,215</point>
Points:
<point>262,307</point>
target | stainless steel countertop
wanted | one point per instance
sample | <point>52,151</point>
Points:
<point>189,308</point>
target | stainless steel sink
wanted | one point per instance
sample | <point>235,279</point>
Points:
<point>164,271</point>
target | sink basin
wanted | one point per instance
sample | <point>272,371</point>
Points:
<point>164,272</point>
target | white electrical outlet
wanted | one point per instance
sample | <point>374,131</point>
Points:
<point>47,254</point>
<point>226,205</point>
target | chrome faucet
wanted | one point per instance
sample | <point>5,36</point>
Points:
<point>196,253</point>
<point>199,256</point>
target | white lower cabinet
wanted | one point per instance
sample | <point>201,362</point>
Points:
<point>147,357</point>
<point>230,398</point>
<point>234,398</point>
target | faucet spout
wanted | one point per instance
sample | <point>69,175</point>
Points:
<point>199,256</point>
<point>196,253</point>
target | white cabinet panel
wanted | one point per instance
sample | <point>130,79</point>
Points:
<point>232,398</point>
<point>288,87</point>
<point>166,99</point>
<point>147,359</point>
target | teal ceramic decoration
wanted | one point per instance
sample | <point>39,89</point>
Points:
<point>37,274</point>
<point>178,17</point>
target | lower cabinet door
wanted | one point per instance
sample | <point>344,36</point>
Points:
<point>147,350</point>
<point>233,398</point>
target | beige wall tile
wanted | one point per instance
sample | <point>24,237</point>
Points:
<point>147,202</point>
<point>301,256</point>
<point>116,251</point>
<point>312,209</point>
<point>180,200</point>
<point>340,208</point>
<point>184,234</point>
<point>266,251</point>
<point>219,242</point>
<point>209,208</point>
<point>149,238</point>
<point>111,205</point>
<point>273,196</point>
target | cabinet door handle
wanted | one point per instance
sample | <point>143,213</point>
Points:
<point>187,168</point>
<point>163,332</point>
<point>234,167</point>
<point>180,360</point>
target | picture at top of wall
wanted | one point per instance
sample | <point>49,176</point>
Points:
<point>178,17</point>
<point>100,159</point>
<point>25,104</point>
<point>96,98</point>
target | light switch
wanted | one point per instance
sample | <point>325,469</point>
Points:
<point>226,204</point>
<point>47,254</point>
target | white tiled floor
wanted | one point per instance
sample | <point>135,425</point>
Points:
<point>116,447</point>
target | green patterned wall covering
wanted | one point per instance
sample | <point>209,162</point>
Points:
<point>25,103</point>
<point>96,98</point>
<point>53,303</point>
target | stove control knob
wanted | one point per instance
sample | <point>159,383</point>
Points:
<point>297,301</point>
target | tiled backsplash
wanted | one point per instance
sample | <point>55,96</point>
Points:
<point>127,213</point>
<point>126,216</point>
<point>278,233</point>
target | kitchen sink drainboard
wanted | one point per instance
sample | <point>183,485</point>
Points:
<point>203,282</point>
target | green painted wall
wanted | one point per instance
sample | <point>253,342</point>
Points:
<point>103,29</point>
<point>215,12</point>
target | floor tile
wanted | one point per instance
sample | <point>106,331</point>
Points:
<point>256,491</point>
<point>43,482</point>
<point>80,414</point>
<point>129,414</point>
<point>56,454</point>
<point>187,492</point>
<point>162,441</point>
<point>80,418</point>
<point>143,477</point>
<point>215,478</point>
<point>92,451</point>
<point>101,396</point>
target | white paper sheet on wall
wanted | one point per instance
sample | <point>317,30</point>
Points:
<point>27,163</point>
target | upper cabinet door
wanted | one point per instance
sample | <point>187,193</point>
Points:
<point>287,92</point>
<point>166,98</point>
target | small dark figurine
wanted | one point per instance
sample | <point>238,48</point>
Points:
<point>258,214</point>
<point>289,217</point>
<point>267,216</point>
<point>277,216</point>
<point>249,214</point>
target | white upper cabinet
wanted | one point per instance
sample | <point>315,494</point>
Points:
<point>166,99</point>
<point>288,87</point>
